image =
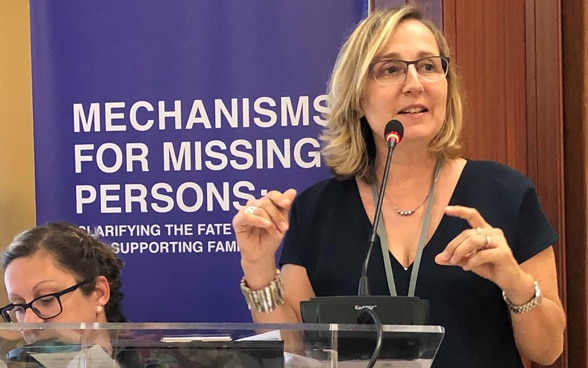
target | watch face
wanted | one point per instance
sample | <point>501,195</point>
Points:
<point>537,290</point>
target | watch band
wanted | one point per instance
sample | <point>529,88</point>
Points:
<point>523,308</point>
<point>267,299</point>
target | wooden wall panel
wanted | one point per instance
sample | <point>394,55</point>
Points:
<point>545,118</point>
<point>509,55</point>
<point>575,75</point>
<point>489,48</point>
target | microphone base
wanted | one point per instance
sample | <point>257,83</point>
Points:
<point>397,310</point>
<point>392,310</point>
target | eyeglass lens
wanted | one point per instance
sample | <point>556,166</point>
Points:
<point>44,307</point>
<point>429,69</point>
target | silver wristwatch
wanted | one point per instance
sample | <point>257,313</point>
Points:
<point>518,309</point>
<point>267,299</point>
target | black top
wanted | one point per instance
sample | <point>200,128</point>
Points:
<point>329,233</point>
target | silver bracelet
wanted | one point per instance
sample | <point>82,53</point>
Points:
<point>518,309</point>
<point>267,299</point>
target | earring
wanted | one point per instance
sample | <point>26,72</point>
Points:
<point>99,309</point>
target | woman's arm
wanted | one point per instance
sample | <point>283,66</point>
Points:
<point>539,333</point>
<point>297,288</point>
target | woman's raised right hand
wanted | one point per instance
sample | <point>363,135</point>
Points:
<point>259,228</point>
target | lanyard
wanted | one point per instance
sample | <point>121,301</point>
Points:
<point>419,253</point>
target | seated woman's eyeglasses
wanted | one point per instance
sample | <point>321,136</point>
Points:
<point>393,71</point>
<point>45,306</point>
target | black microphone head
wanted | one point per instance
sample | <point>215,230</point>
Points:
<point>394,130</point>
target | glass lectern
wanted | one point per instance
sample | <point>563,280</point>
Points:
<point>216,345</point>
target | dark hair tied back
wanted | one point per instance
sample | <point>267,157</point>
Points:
<point>76,251</point>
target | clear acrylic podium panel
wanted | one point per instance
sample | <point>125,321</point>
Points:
<point>214,345</point>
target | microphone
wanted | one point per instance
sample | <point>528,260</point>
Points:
<point>393,134</point>
<point>364,308</point>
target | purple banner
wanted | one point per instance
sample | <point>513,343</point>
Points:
<point>154,121</point>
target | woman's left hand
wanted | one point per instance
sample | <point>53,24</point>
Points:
<point>482,249</point>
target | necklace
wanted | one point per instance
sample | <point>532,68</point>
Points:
<point>413,210</point>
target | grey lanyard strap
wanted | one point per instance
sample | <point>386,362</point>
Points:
<point>417,260</point>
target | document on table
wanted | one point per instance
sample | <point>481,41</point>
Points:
<point>299,361</point>
<point>94,357</point>
<point>417,363</point>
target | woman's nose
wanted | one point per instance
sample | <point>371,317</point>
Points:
<point>412,82</point>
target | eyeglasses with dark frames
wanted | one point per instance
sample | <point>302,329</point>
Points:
<point>45,306</point>
<point>393,71</point>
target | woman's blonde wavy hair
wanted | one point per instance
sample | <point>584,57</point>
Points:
<point>348,144</point>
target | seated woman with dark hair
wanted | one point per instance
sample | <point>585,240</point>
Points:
<point>57,259</point>
<point>59,273</point>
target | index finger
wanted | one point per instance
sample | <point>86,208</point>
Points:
<point>471,215</point>
<point>271,209</point>
<point>277,205</point>
<point>282,200</point>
